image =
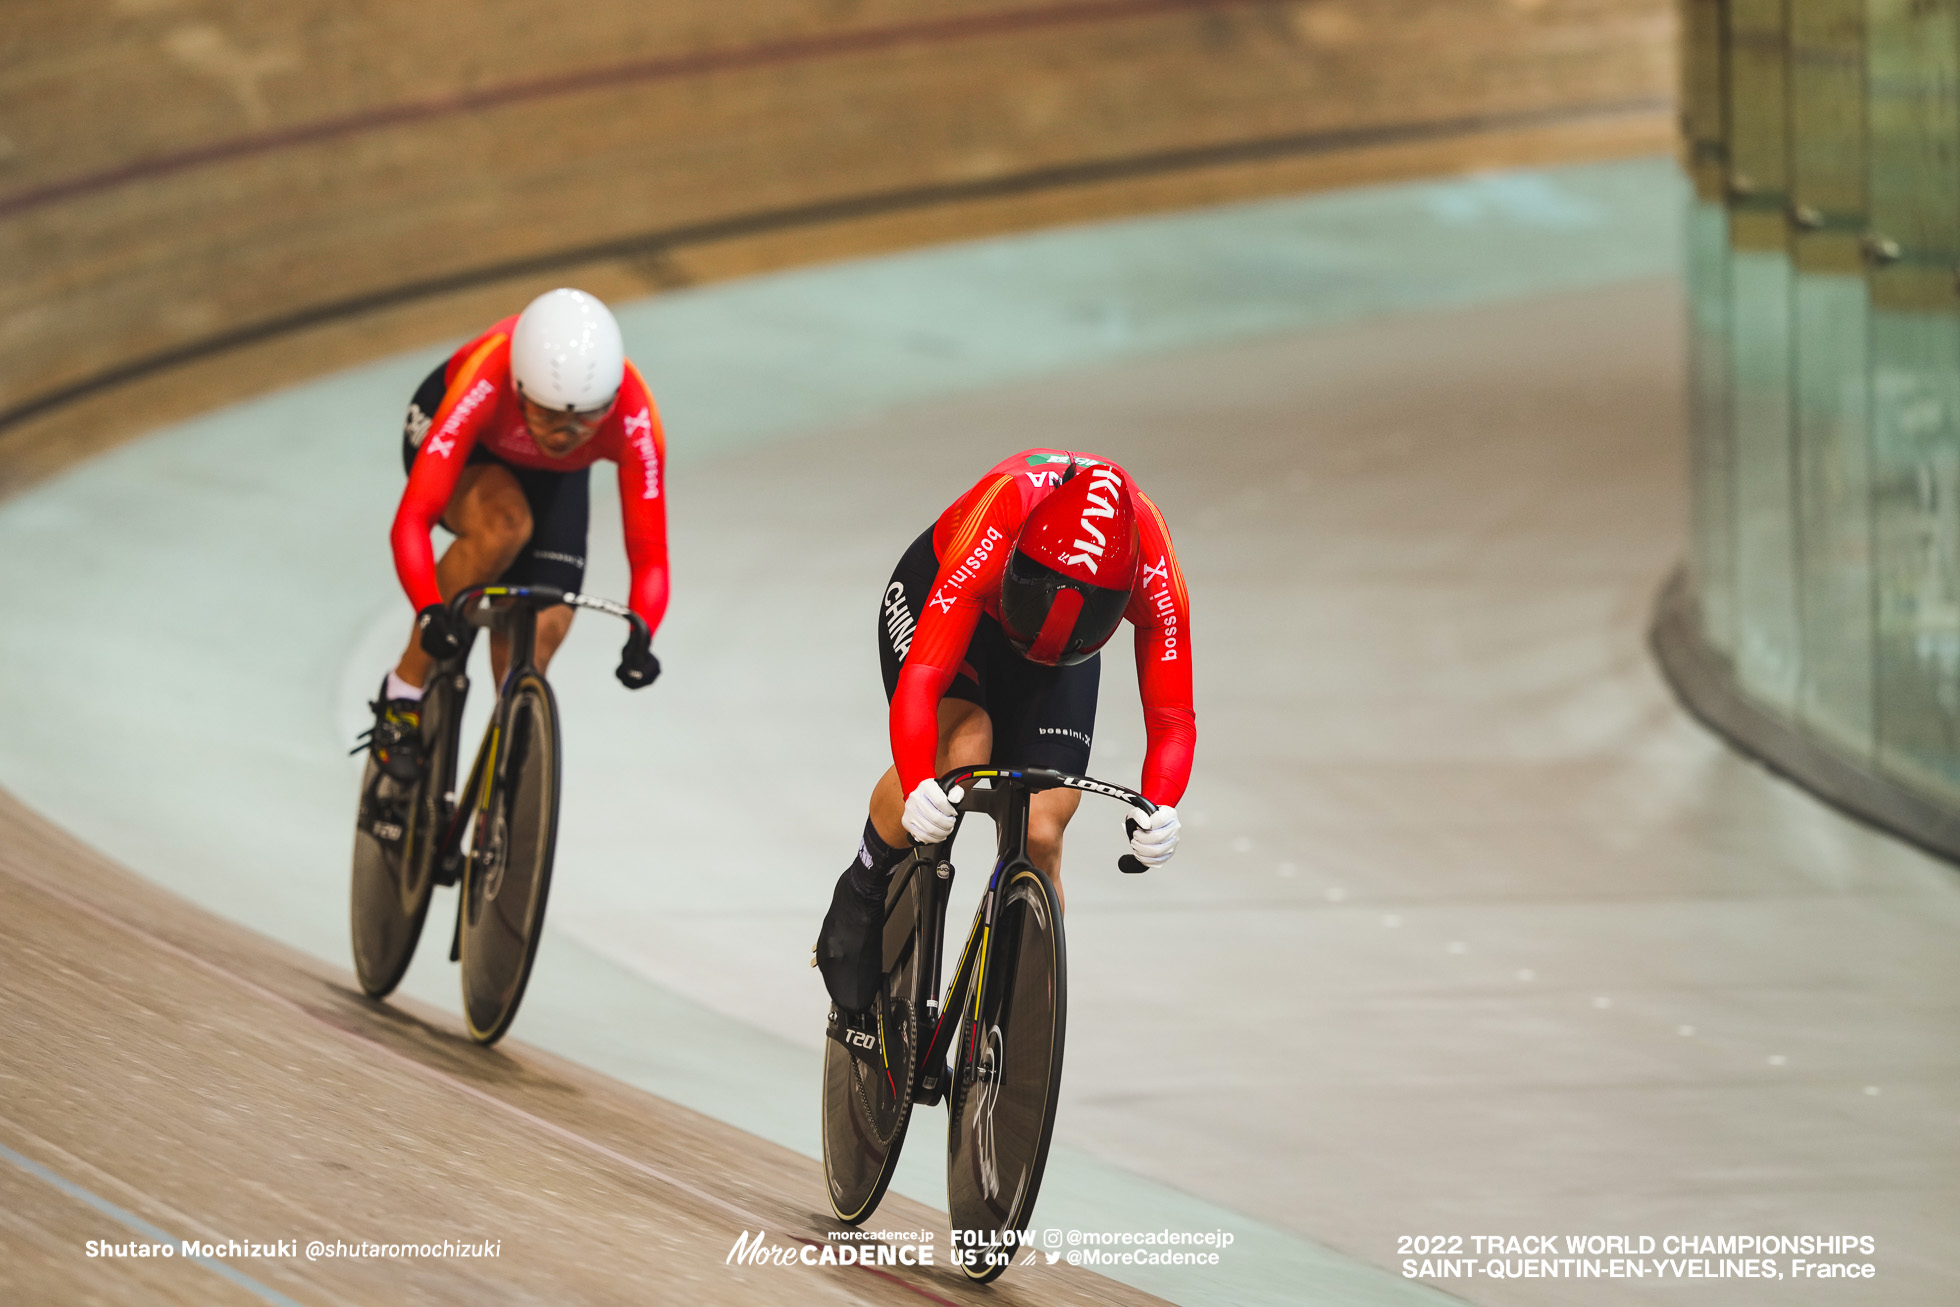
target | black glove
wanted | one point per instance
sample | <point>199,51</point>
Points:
<point>442,634</point>
<point>638,668</point>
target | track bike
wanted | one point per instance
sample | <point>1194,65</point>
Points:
<point>1002,1022</point>
<point>411,836</point>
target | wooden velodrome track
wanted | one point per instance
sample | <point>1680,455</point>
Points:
<point>168,1069</point>
<point>201,201</point>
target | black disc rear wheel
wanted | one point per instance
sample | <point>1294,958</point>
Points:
<point>395,832</point>
<point>867,1102</point>
<point>507,874</point>
<point>1007,1075</point>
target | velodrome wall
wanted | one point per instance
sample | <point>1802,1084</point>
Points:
<point>200,199</point>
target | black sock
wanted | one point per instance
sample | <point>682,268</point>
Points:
<point>871,871</point>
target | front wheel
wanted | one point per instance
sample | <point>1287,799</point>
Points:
<point>867,1095</point>
<point>507,872</point>
<point>396,829</point>
<point>1007,1075</point>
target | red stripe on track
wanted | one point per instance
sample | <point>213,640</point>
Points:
<point>608,77</point>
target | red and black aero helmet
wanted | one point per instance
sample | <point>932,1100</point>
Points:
<point>1069,576</point>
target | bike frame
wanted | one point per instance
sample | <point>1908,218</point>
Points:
<point>1007,803</point>
<point>489,773</point>
<point>486,783</point>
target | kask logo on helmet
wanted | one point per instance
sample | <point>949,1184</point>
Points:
<point>1105,490</point>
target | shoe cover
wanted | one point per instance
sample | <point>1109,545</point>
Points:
<point>850,951</point>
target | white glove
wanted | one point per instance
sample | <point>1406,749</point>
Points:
<point>1156,837</point>
<point>930,814</point>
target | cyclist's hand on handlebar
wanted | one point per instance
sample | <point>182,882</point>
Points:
<point>638,668</point>
<point>441,633</point>
<point>930,814</point>
<point>1153,836</point>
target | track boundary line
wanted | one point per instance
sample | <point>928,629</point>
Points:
<point>549,1127</point>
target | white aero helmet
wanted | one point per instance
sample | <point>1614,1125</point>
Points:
<point>566,353</point>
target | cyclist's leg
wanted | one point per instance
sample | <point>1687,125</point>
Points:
<point>554,624</point>
<point>560,505</point>
<point>1045,717</point>
<point>847,946</point>
<point>966,739</point>
<point>1048,818</point>
<point>491,522</point>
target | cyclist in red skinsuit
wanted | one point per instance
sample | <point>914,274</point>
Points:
<point>990,513</point>
<point>480,407</point>
<point>988,632</point>
<point>498,447</point>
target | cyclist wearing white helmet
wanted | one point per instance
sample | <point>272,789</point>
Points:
<point>499,445</point>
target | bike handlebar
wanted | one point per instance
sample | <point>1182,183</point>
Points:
<point>547,596</point>
<point>1037,779</point>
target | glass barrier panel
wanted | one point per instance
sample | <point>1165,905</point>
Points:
<point>1830,394</point>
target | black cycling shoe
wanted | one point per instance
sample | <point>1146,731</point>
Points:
<point>850,951</point>
<point>395,739</point>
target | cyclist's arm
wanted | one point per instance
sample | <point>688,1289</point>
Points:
<point>922,682</point>
<point>466,407</point>
<point>974,561</point>
<point>643,498</point>
<point>1161,610</point>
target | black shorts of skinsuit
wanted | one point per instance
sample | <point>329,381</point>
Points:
<point>560,502</point>
<point>1042,716</point>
